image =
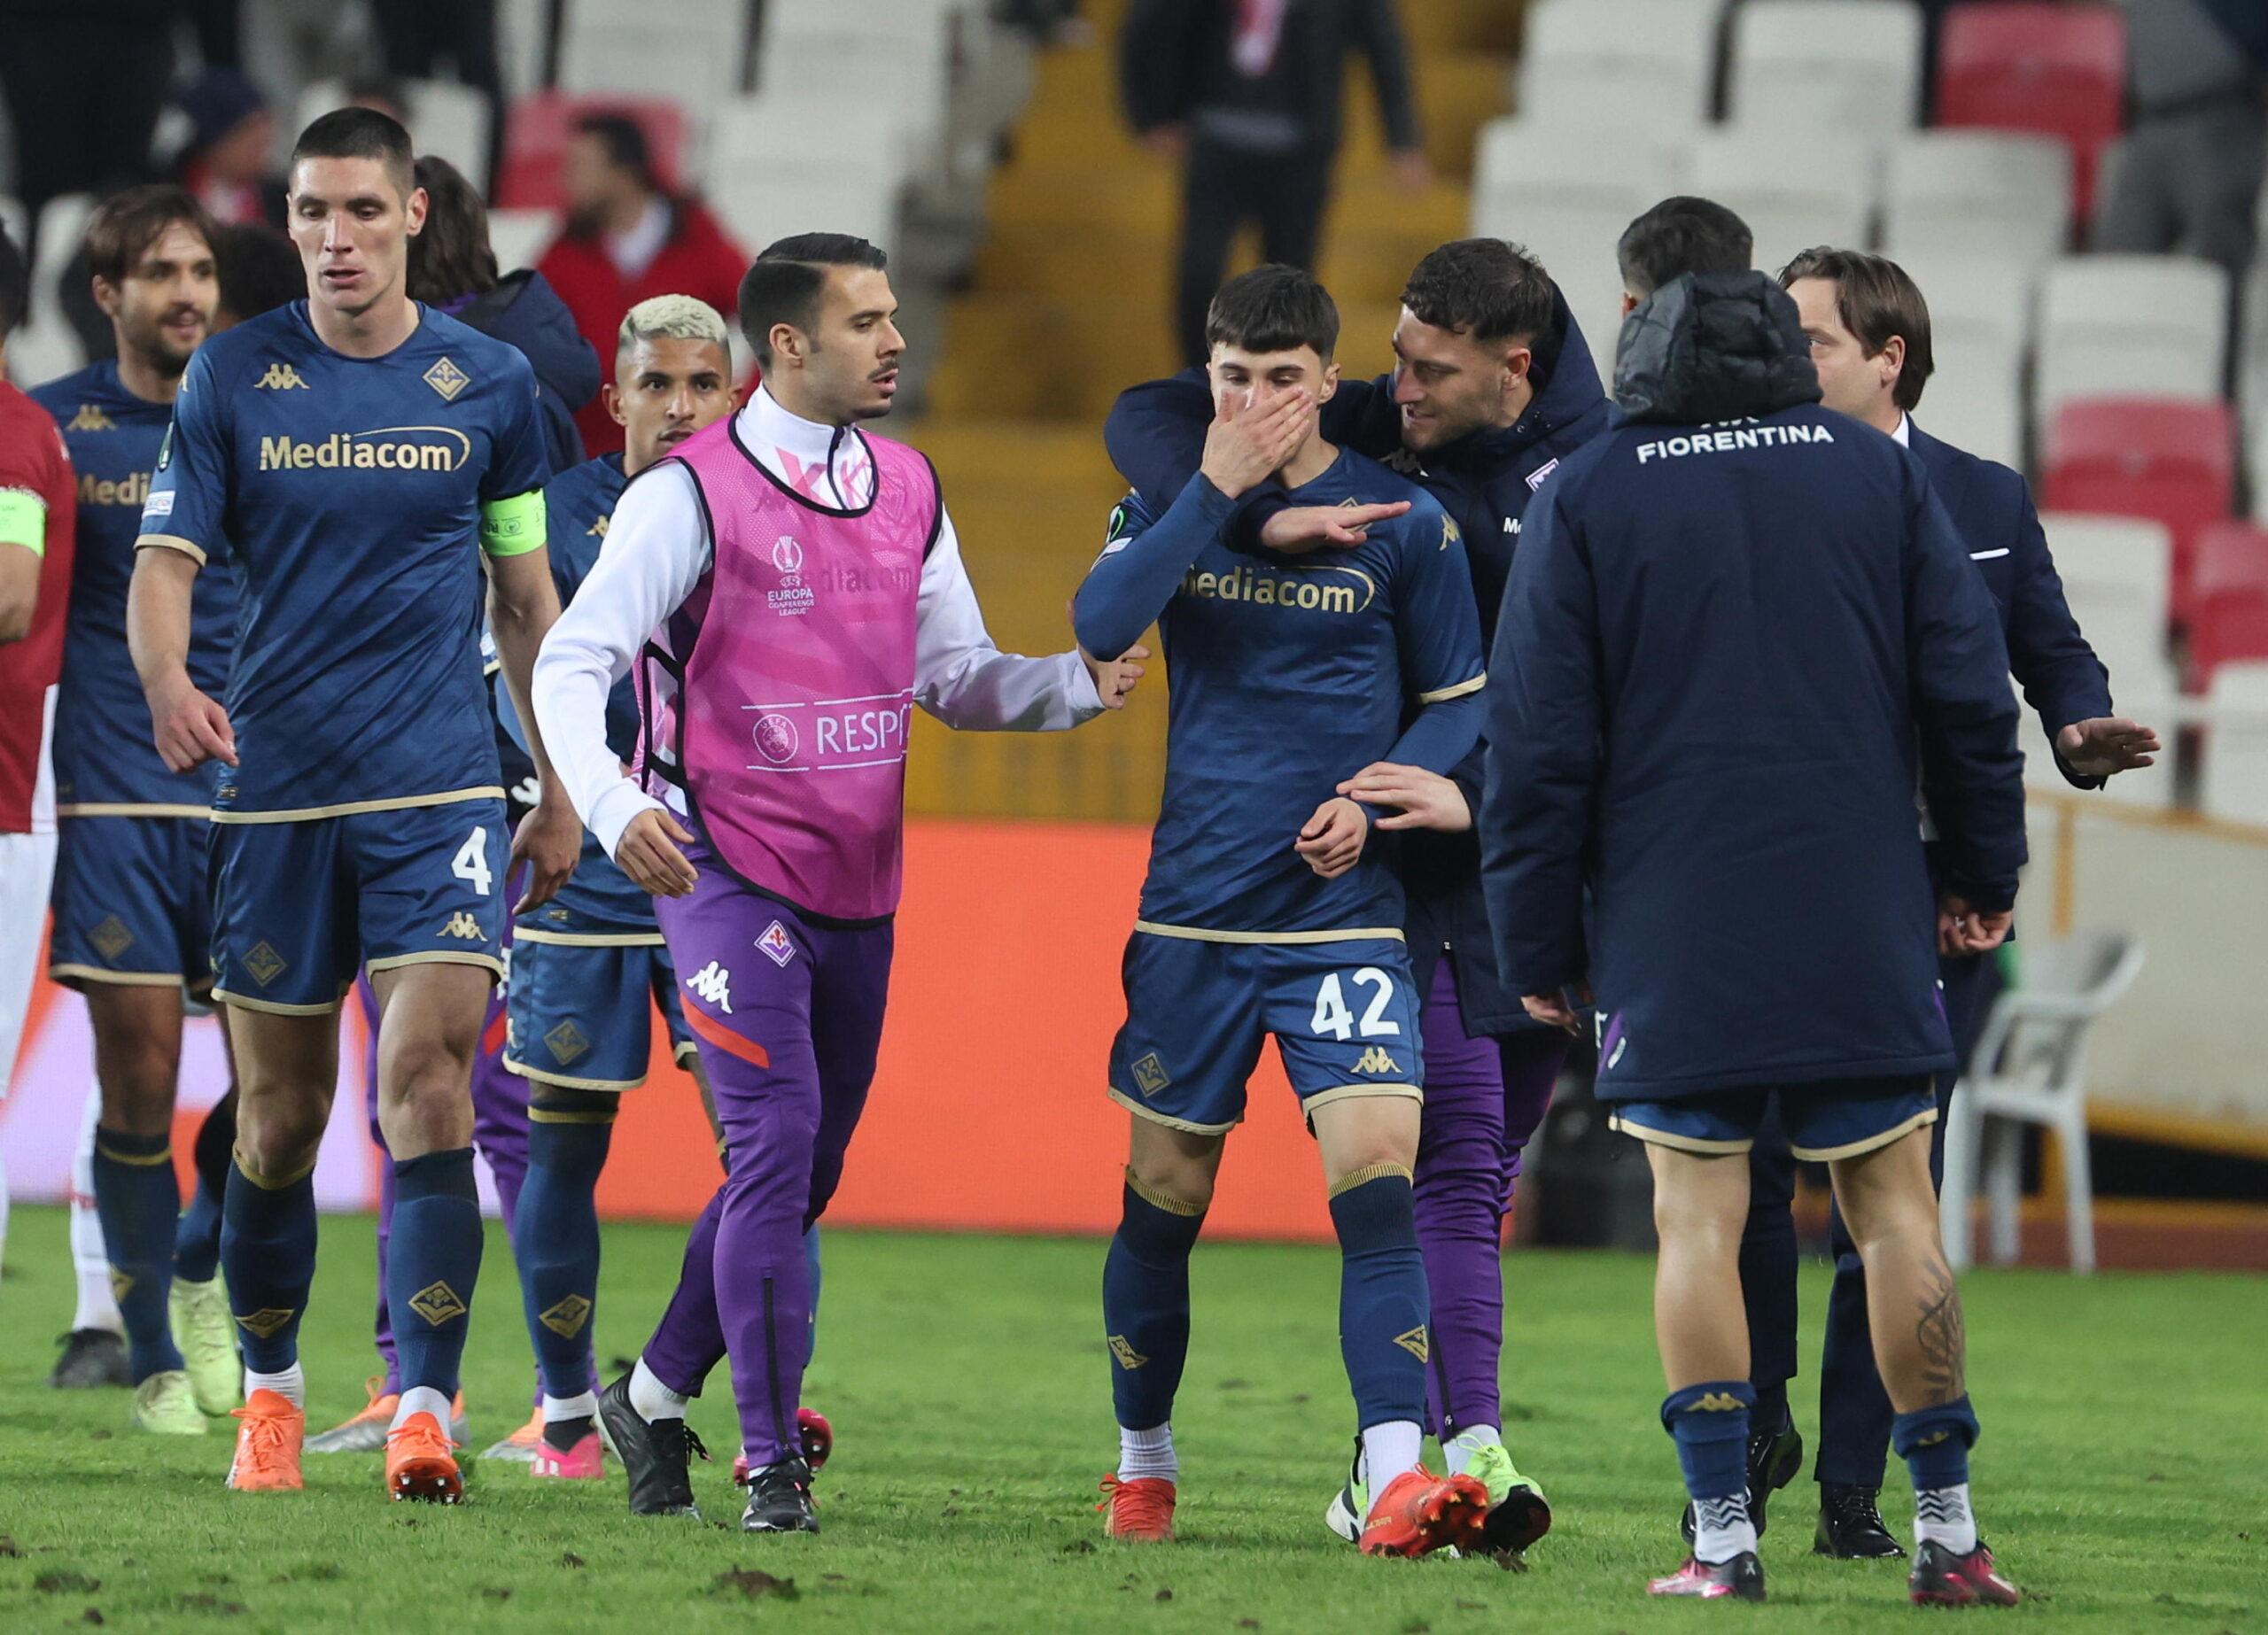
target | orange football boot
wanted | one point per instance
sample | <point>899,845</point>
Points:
<point>269,1434</point>
<point>1420,1512</point>
<point>1140,1510</point>
<point>421,1463</point>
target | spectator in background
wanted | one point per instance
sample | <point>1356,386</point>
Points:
<point>260,271</point>
<point>628,238</point>
<point>227,164</point>
<point>2188,174</point>
<point>1246,96</point>
<point>453,268</point>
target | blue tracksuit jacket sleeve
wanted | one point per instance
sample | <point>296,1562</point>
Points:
<point>2062,678</point>
<point>1965,716</point>
<point>1141,568</point>
<point>1543,721</point>
<point>1437,632</point>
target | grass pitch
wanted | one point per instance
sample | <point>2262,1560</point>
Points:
<point>2118,1479</point>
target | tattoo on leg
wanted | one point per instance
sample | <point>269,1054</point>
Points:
<point>1939,1335</point>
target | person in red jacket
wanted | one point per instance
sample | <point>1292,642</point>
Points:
<point>629,238</point>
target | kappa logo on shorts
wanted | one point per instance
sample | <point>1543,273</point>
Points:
<point>1415,1343</point>
<point>266,1323</point>
<point>566,1042</point>
<point>463,925</point>
<point>567,1318</point>
<point>445,378</point>
<point>1375,1060</point>
<point>1129,1358</point>
<point>111,938</point>
<point>1150,1075</point>
<point>713,983</point>
<point>437,1302</point>
<point>777,944</point>
<point>265,964</point>
<point>280,378</point>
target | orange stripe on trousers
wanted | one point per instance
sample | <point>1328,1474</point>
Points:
<point>725,1039</point>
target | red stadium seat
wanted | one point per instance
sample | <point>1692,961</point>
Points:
<point>537,133</point>
<point>2230,599</point>
<point>2172,460</point>
<point>2026,64</point>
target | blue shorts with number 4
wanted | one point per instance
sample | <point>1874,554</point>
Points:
<point>299,907</point>
<point>581,1005</point>
<point>1344,1015</point>
<point>1837,1119</point>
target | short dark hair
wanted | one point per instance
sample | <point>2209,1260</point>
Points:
<point>782,285</point>
<point>1485,288</point>
<point>360,133</point>
<point>451,257</point>
<point>1273,309</point>
<point>624,138</point>
<point>1680,236</point>
<point>1875,298</point>
<point>126,224</point>
<point>15,283</point>
<point>260,270</point>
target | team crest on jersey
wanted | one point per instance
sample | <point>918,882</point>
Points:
<point>280,378</point>
<point>89,418</point>
<point>445,378</point>
<point>778,946</point>
<point>1150,1075</point>
<point>1535,478</point>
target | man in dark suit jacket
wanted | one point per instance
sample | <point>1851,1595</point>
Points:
<point>1869,333</point>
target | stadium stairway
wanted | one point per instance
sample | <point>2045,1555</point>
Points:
<point>1069,305</point>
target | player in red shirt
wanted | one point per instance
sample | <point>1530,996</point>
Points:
<point>38,513</point>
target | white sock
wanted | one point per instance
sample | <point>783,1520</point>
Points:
<point>650,1399</point>
<point>98,1307</point>
<point>1458,1451</point>
<point>1388,1451</point>
<point>291,1384</point>
<point>1942,1514</point>
<point>1147,1453</point>
<point>556,1409</point>
<point>1722,1529</point>
<point>423,1400</point>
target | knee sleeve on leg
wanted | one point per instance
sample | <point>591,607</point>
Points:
<point>556,1233</point>
<point>267,1251</point>
<point>1146,1302</point>
<point>1382,1299</point>
<point>1934,1442</point>
<point>433,1265</point>
<point>137,1197</point>
<point>1708,1424</point>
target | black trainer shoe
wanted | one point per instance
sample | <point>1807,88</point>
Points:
<point>91,1358</point>
<point>779,1499</point>
<point>1940,1579</point>
<point>1774,1458</point>
<point>656,1455</point>
<point>1851,1526</point>
<point>1741,1578</point>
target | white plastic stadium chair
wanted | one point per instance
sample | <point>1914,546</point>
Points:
<point>2130,326</point>
<point>760,205</point>
<point>47,346</point>
<point>2029,1068</point>
<point>2236,744</point>
<point>1792,197</point>
<point>15,220</point>
<point>1977,192</point>
<point>519,238</point>
<point>1808,66</point>
<point>886,65</point>
<point>692,51</point>
<point>1980,326</point>
<point>1651,63</point>
<point>446,120</point>
<point>780,128</point>
<point>2117,574</point>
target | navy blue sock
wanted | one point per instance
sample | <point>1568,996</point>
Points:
<point>431,1265</point>
<point>1146,1303</point>
<point>196,1240</point>
<point>136,1198</point>
<point>267,1253</point>
<point>1935,1443</point>
<point>1709,1423</point>
<point>1382,1297</point>
<point>556,1232</point>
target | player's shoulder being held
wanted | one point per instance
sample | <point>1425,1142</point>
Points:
<point>1425,526</point>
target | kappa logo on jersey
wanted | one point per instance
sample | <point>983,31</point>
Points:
<point>281,378</point>
<point>437,1302</point>
<point>1415,1343</point>
<point>1375,1060</point>
<point>1129,1358</point>
<point>1536,477</point>
<point>445,378</point>
<point>463,925</point>
<point>1150,1075</point>
<point>1405,462</point>
<point>776,944</point>
<point>1449,534</point>
<point>89,418</point>
<point>410,448</point>
<point>597,529</point>
<point>713,983</point>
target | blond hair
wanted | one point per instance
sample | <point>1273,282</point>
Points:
<point>678,317</point>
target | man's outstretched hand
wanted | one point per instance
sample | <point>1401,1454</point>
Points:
<point>2106,746</point>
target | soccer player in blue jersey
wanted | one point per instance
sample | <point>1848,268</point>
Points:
<point>1269,908</point>
<point>132,915</point>
<point>590,966</point>
<point>361,454</point>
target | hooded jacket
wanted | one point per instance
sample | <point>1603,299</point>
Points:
<point>1485,482</point>
<point>524,311</point>
<point>1739,633</point>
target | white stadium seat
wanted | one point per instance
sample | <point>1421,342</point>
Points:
<point>15,219</point>
<point>2235,784</point>
<point>2117,574</point>
<point>1810,66</point>
<point>1980,328</point>
<point>1793,196</point>
<point>519,238</point>
<point>874,65</point>
<point>759,203</point>
<point>47,346</point>
<point>691,51</point>
<point>446,120</point>
<point>1977,192</point>
<point>776,128</point>
<point>2130,326</point>
<point>1642,61</point>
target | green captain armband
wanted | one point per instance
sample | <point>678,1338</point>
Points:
<point>512,527</point>
<point>23,520</point>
